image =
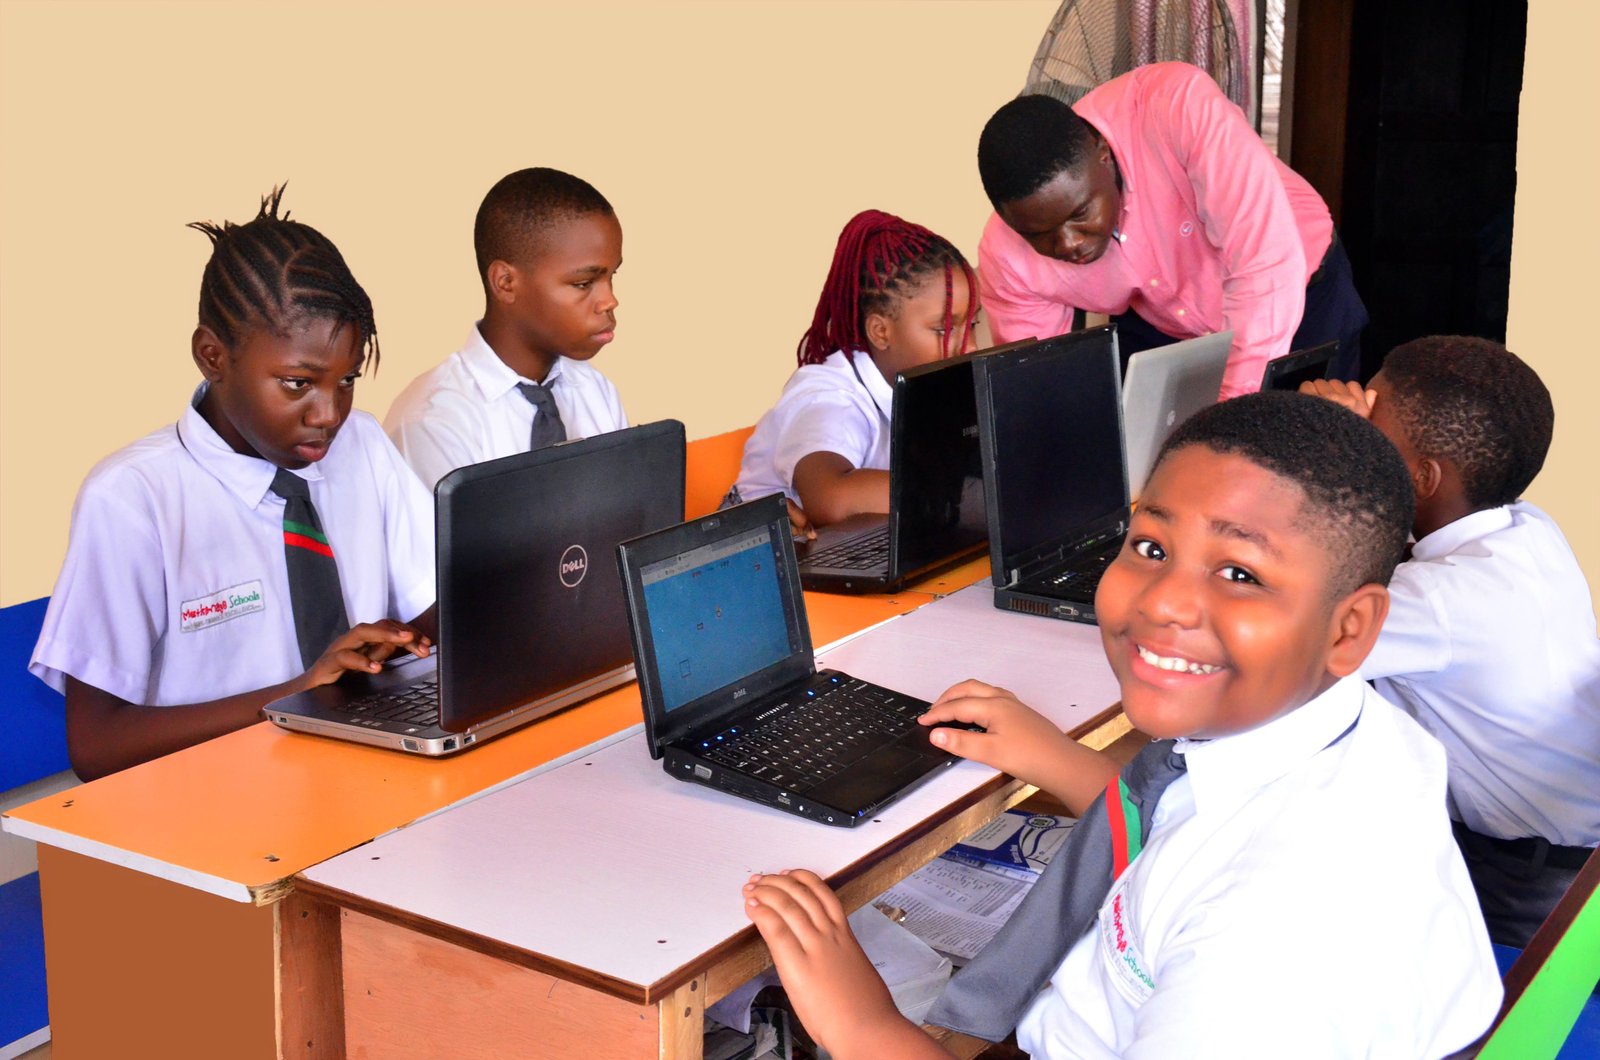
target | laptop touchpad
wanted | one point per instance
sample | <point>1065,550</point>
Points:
<point>893,760</point>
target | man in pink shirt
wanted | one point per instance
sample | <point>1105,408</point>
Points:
<point>1153,201</point>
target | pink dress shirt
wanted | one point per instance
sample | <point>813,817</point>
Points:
<point>1215,232</point>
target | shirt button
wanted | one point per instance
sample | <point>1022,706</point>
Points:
<point>1155,282</point>
<point>1180,312</point>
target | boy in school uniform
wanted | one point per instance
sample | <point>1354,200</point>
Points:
<point>1490,641</point>
<point>548,247</point>
<point>1274,876</point>
<point>253,549</point>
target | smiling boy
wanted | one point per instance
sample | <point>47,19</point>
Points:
<point>1296,891</point>
<point>548,247</point>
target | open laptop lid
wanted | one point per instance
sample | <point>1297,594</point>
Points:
<point>1050,423</point>
<point>936,505</point>
<point>1298,366</point>
<point>1162,388</point>
<point>717,616</point>
<point>529,601</point>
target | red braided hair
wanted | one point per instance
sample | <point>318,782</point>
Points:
<point>880,260</point>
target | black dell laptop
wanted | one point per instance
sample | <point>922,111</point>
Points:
<point>1298,366</point>
<point>936,511</point>
<point>732,695</point>
<point>531,615</point>
<point>1054,471</point>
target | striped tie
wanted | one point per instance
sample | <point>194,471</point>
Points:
<point>314,592</point>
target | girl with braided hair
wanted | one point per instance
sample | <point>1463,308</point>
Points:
<point>896,296</point>
<point>256,547</point>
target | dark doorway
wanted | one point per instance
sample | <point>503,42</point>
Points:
<point>1422,173</point>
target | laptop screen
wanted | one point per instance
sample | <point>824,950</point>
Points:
<point>1053,419</point>
<point>1299,366</point>
<point>716,615</point>
<point>937,489</point>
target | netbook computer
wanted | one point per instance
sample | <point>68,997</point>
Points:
<point>1163,387</point>
<point>732,695</point>
<point>936,514</point>
<point>531,615</point>
<point>1050,423</point>
<point>1298,366</point>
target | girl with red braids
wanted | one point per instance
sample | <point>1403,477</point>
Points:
<point>897,296</point>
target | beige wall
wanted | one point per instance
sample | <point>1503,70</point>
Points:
<point>734,139</point>
<point>1553,259</point>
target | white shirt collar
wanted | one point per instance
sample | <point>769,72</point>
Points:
<point>247,477</point>
<point>492,375</point>
<point>1229,770</point>
<point>1451,536</point>
<point>877,386</point>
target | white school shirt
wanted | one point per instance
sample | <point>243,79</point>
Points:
<point>1292,899</point>
<point>175,588</point>
<point>1490,644</point>
<point>824,408</point>
<point>468,409</point>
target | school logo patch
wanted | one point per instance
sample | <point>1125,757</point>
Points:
<point>1186,229</point>
<point>1120,950</point>
<point>234,602</point>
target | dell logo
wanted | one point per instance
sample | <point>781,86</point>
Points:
<point>740,693</point>
<point>574,565</point>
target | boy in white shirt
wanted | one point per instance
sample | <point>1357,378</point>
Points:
<point>1280,880</point>
<point>548,247</point>
<point>253,549</point>
<point>1490,641</point>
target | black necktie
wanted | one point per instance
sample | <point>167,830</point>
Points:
<point>991,994</point>
<point>314,592</point>
<point>547,426</point>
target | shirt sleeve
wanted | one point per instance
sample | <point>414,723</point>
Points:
<point>822,423</point>
<point>1416,634</point>
<point>1016,310</point>
<point>1240,198</point>
<point>107,615</point>
<point>432,438</point>
<point>613,405</point>
<point>408,528</point>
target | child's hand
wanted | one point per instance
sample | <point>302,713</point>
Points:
<point>799,523</point>
<point>836,992</point>
<point>1017,739</point>
<point>363,649</point>
<point>1350,395</point>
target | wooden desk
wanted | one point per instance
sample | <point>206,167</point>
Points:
<point>169,924</point>
<point>595,910</point>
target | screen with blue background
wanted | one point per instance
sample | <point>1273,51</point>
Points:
<point>716,616</point>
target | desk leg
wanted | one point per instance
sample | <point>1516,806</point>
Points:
<point>138,966</point>
<point>683,1021</point>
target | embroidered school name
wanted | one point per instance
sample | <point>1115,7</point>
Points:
<point>220,606</point>
<point>1121,930</point>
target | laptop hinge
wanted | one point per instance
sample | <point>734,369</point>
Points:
<point>1105,531</point>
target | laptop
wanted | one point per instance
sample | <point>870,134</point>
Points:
<point>1298,366</point>
<point>1163,387</point>
<point>732,695</point>
<point>1054,476</point>
<point>936,512</point>
<point>531,615</point>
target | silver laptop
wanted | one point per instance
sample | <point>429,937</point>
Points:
<point>531,610</point>
<point>1163,387</point>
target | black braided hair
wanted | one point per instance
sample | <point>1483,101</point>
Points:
<point>275,273</point>
<point>1359,501</point>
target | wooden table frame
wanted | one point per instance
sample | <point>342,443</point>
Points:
<point>409,986</point>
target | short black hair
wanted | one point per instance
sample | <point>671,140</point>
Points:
<point>274,273</point>
<point>1359,499</point>
<point>1028,143</point>
<point>522,206</point>
<point>1476,404</point>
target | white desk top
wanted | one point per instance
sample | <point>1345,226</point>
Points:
<point>609,864</point>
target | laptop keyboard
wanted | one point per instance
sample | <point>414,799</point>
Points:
<point>416,704</point>
<point>867,552</point>
<point>839,724</point>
